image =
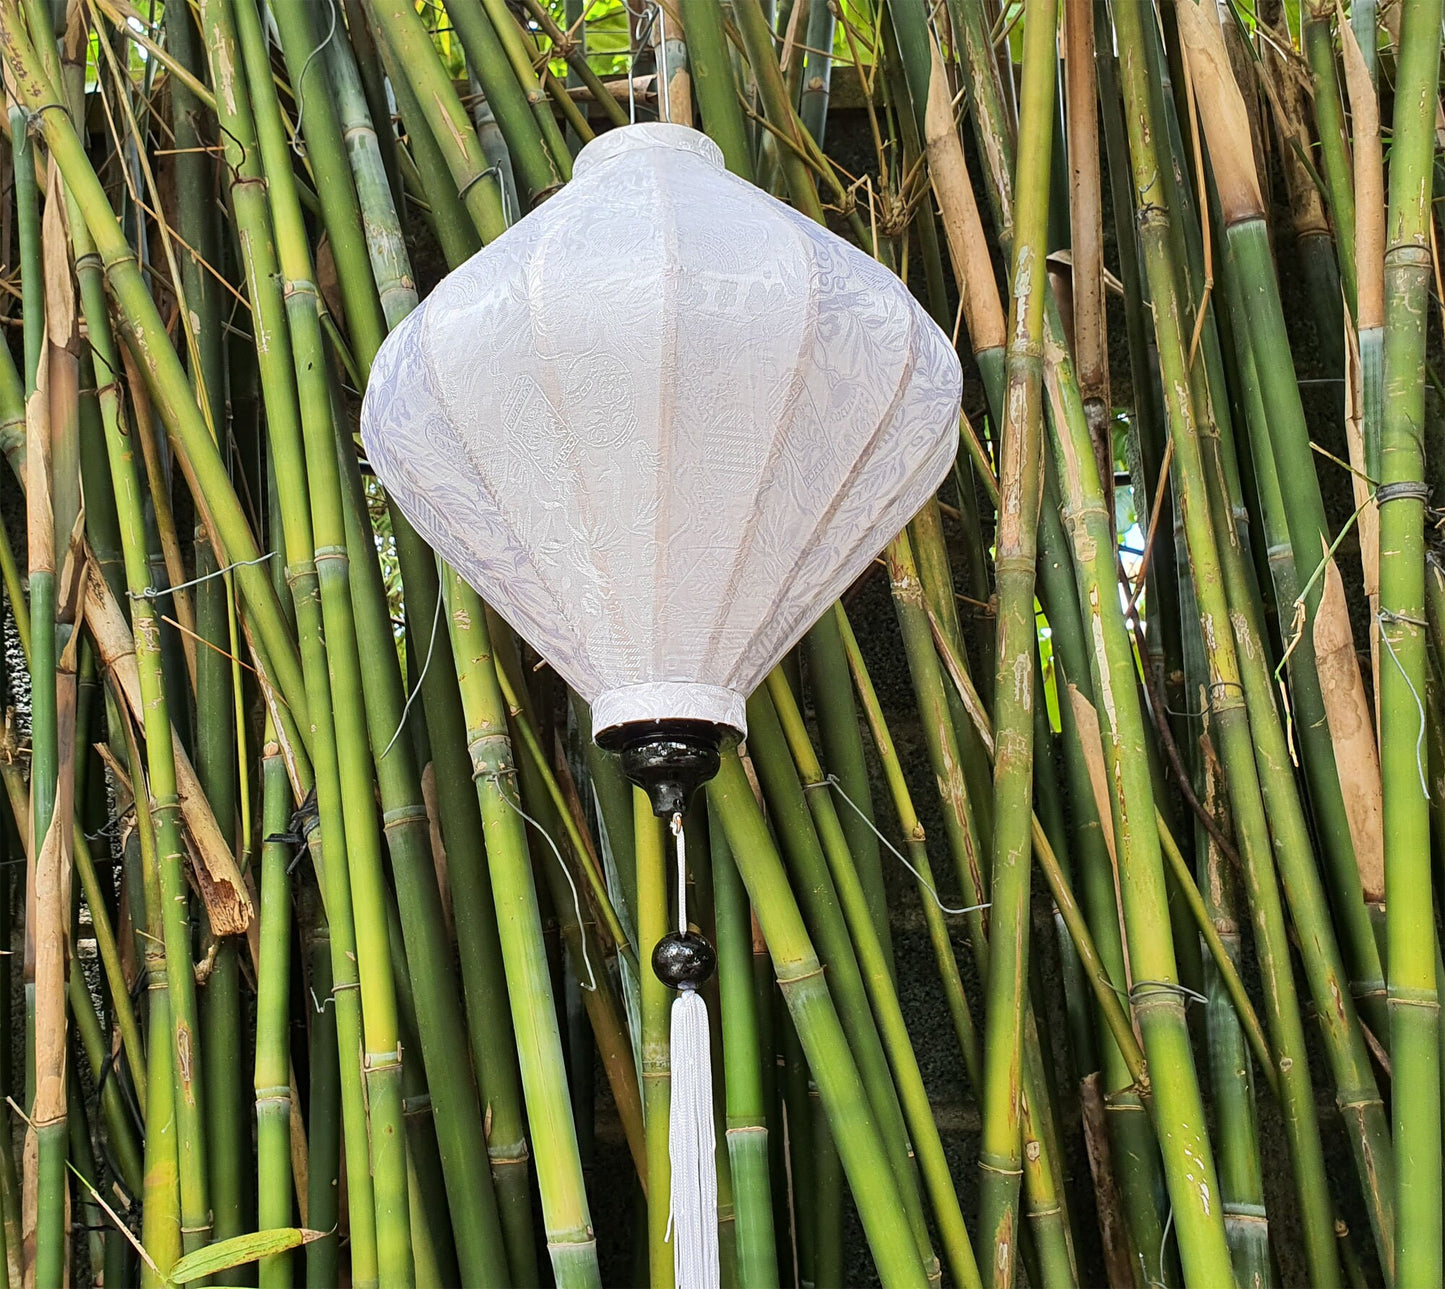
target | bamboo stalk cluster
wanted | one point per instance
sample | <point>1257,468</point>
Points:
<point>286,797</point>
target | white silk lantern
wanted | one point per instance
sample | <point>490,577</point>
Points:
<point>660,425</point>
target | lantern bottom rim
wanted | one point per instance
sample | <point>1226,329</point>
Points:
<point>659,701</point>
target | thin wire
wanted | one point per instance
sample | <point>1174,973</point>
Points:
<point>150,593</point>
<point>298,144</point>
<point>649,15</point>
<point>591,986</point>
<point>664,97</point>
<point>1159,987</point>
<point>681,873</point>
<point>416,689</point>
<point>1384,616</point>
<point>832,781</point>
<point>1163,1241</point>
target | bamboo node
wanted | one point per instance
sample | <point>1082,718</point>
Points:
<point>794,978</point>
<point>999,1169</point>
<point>1426,998</point>
<point>402,815</point>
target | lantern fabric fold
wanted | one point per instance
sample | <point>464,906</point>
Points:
<point>661,424</point>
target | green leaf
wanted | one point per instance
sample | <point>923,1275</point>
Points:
<point>237,1251</point>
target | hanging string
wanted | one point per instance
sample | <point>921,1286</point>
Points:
<point>681,846</point>
<point>298,144</point>
<point>1384,616</point>
<point>650,15</point>
<point>416,689</point>
<point>832,782</point>
<point>496,776</point>
<point>152,593</point>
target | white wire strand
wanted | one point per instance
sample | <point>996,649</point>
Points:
<point>832,781</point>
<point>591,985</point>
<point>681,874</point>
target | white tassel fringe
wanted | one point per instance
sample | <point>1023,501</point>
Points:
<point>691,1144</point>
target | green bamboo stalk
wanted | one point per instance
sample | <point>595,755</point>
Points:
<point>146,336</point>
<point>1316,35</point>
<point>426,174</point>
<point>271,327</point>
<point>1413,1001</point>
<point>745,1106</point>
<point>570,1241</point>
<point>712,78</point>
<point>828,1190</point>
<point>160,1200</point>
<point>1020,486</point>
<point>584,947</point>
<point>187,1052</point>
<point>1366,980</point>
<point>43,355</point>
<point>757,38</point>
<point>842,752</point>
<point>1230,698</point>
<point>1232,1075</point>
<point>228,1117</point>
<point>90,1261</point>
<point>653,922</point>
<point>574,53</point>
<point>493,1049</point>
<point>1068,909</point>
<point>926,535</point>
<point>381,1057</point>
<point>913,836</point>
<point>12,385</point>
<point>803,851</point>
<point>817,70</point>
<point>1308,535</point>
<point>521,55</point>
<point>1132,1147</point>
<point>327,1095</point>
<point>108,951</point>
<point>800,976</point>
<point>27,236</point>
<point>120,1136</point>
<point>404,36</point>
<point>456,1111</point>
<point>395,287</point>
<point>273,1018</point>
<point>797,1184</point>
<point>1159,1013</point>
<point>1356,1088</point>
<point>318,119</point>
<point>877,977</point>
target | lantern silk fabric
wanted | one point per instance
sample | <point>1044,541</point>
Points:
<point>661,424</point>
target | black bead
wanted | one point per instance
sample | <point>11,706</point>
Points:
<point>680,960</point>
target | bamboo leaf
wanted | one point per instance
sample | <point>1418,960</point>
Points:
<point>238,1251</point>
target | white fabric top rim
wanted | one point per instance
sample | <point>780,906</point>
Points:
<point>669,700</point>
<point>648,136</point>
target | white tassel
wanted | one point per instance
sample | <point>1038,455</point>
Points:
<point>690,1146</point>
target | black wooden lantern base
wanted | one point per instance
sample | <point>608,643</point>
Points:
<point>668,760</point>
<point>671,760</point>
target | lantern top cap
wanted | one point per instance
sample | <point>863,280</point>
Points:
<point>646,136</point>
